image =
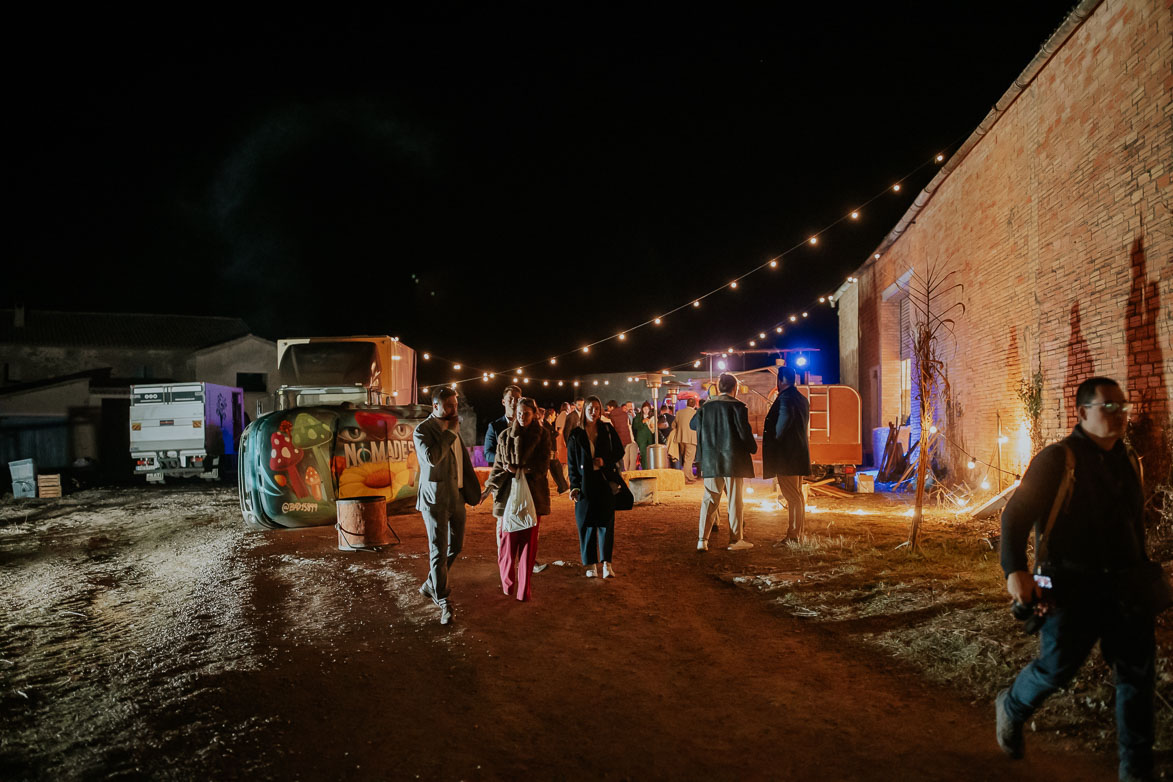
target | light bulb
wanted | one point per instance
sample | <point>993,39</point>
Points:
<point>773,264</point>
<point>940,158</point>
<point>594,382</point>
<point>932,430</point>
<point>456,366</point>
<point>621,336</point>
<point>985,484</point>
<point>822,299</point>
<point>545,382</point>
<point>814,240</point>
<point>606,382</point>
<point>553,361</point>
<point>855,215</point>
<point>586,348</point>
<point>656,321</point>
<point>720,365</point>
<point>560,384</point>
<point>896,188</point>
<point>804,314</point>
<point>425,389</point>
<point>778,329</point>
<point>427,356</point>
<point>793,318</point>
<point>753,343</point>
<point>761,335</point>
<point>696,363</point>
<point>971,464</point>
<point>733,284</point>
<point>696,304</point>
<point>576,384</point>
<point>876,256</point>
<point>525,380</point>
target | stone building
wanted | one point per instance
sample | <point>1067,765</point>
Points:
<point>1054,216</point>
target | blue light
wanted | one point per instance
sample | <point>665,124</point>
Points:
<point>720,365</point>
<point>801,361</point>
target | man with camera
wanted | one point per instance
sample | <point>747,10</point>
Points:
<point>1093,579</point>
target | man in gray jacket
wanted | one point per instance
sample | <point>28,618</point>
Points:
<point>447,482</point>
<point>726,445</point>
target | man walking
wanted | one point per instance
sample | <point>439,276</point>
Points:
<point>509,399</point>
<point>686,439</point>
<point>447,482</point>
<point>786,452</point>
<point>618,417</point>
<point>726,446</point>
<point>1083,494</point>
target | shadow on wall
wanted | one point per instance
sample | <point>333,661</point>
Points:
<point>1080,366</point>
<point>1147,430</point>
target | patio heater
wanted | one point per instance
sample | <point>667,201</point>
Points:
<point>657,453</point>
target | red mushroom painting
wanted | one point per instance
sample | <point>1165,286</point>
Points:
<point>284,457</point>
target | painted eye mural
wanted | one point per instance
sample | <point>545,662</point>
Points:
<point>295,464</point>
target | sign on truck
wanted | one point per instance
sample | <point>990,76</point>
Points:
<point>184,429</point>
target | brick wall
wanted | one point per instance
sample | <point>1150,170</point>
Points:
<point>1058,225</point>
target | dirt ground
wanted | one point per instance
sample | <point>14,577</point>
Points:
<point>148,635</point>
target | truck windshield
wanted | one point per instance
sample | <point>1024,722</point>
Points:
<point>329,364</point>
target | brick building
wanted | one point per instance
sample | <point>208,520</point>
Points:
<point>1055,216</point>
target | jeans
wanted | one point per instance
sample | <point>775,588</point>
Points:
<point>1127,643</point>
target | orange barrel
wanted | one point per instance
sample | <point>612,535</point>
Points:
<point>362,523</point>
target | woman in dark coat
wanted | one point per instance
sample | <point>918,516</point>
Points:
<point>524,447</point>
<point>593,450</point>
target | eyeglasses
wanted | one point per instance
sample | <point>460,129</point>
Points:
<point>1111,407</point>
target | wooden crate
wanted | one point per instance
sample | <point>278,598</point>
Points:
<point>48,486</point>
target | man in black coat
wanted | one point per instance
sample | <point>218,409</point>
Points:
<point>725,444</point>
<point>786,451</point>
<point>1093,562</point>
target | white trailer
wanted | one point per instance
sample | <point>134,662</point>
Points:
<point>184,429</point>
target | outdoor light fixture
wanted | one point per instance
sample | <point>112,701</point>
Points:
<point>733,284</point>
<point>456,366</point>
<point>814,240</point>
<point>855,215</point>
<point>773,264</point>
<point>427,356</point>
<point>720,365</point>
<point>896,188</point>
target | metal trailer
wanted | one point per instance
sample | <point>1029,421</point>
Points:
<point>185,429</point>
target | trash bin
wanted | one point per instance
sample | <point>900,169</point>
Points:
<point>24,478</point>
<point>657,457</point>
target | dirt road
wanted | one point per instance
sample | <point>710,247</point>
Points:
<point>152,637</point>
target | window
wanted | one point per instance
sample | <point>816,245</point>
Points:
<point>252,381</point>
<point>905,389</point>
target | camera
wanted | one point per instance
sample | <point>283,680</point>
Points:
<point>1032,619</point>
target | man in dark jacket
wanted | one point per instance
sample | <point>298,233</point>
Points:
<point>725,444</point>
<point>509,399</point>
<point>786,451</point>
<point>1092,557</point>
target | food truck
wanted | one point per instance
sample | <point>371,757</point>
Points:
<point>345,413</point>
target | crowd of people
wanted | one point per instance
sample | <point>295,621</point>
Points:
<point>1092,580</point>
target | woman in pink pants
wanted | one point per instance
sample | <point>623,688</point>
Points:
<point>524,447</point>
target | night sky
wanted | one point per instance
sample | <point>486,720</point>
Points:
<point>496,188</point>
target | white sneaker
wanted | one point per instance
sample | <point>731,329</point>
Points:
<point>740,545</point>
<point>592,571</point>
<point>702,545</point>
<point>608,571</point>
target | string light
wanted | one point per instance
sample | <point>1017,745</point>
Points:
<point>932,430</point>
<point>805,314</point>
<point>772,263</point>
<point>545,382</point>
<point>971,464</point>
<point>753,343</point>
<point>696,363</point>
<point>793,319</point>
<point>985,483</point>
<point>425,389</point>
<point>560,384</point>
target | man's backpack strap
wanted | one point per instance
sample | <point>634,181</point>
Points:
<point>1061,496</point>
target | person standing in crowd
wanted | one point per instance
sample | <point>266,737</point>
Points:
<point>1087,490</point>
<point>786,452</point>
<point>560,432</point>
<point>522,449</point>
<point>555,461</point>
<point>664,424</point>
<point>447,482</point>
<point>509,399</point>
<point>573,419</point>
<point>726,446</point>
<point>686,439</point>
<point>595,451</point>
<point>618,418</point>
<point>644,432</point>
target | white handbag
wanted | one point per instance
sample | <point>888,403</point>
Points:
<point>519,508</point>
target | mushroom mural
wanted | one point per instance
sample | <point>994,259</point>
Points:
<point>314,481</point>
<point>284,457</point>
<point>315,436</point>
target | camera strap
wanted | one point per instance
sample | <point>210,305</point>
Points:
<point>1066,484</point>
